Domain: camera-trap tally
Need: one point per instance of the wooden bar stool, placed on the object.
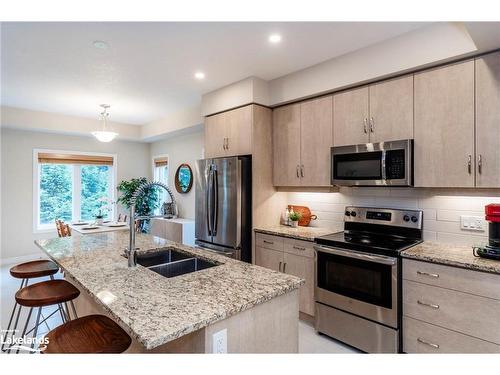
(46, 293)
(25, 272)
(89, 334)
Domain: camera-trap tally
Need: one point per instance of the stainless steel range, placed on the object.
(358, 277)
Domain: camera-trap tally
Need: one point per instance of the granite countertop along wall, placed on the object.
(155, 309)
(299, 233)
(451, 255)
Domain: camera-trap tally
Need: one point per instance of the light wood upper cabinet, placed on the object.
(302, 137)
(215, 135)
(488, 120)
(229, 133)
(315, 141)
(391, 110)
(239, 131)
(286, 145)
(350, 117)
(444, 126)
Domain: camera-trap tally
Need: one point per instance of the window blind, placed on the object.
(51, 158)
(160, 162)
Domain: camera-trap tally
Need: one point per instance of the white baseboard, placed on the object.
(21, 259)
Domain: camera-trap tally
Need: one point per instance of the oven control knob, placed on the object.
(347, 213)
(406, 218)
(353, 213)
(414, 219)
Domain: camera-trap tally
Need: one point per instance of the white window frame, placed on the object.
(153, 170)
(76, 176)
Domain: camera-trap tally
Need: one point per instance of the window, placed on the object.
(71, 187)
(160, 173)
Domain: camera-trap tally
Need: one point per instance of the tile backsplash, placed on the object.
(442, 208)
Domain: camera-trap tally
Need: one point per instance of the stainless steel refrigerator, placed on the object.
(224, 206)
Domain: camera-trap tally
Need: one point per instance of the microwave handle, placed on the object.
(384, 171)
(356, 255)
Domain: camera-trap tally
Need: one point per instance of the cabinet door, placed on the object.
(267, 258)
(286, 145)
(391, 110)
(488, 120)
(350, 117)
(315, 141)
(304, 268)
(444, 126)
(215, 133)
(239, 131)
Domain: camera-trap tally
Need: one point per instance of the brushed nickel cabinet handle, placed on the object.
(299, 248)
(425, 342)
(279, 267)
(302, 170)
(298, 175)
(268, 242)
(480, 164)
(224, 144)
(284, 267)
(435, 275)
(372, 125)
(431, 305)
(365, 126)
(469, 164)
(227, 143)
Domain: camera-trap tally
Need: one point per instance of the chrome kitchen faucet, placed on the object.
(130, 252)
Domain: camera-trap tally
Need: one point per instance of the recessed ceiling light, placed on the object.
(199, 75)
(275, 38)
(100, 44)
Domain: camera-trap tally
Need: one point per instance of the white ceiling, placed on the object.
(147, 71)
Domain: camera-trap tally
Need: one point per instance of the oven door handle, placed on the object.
(357, 255)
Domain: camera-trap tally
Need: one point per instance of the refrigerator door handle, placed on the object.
(208, 200)
(215, 186)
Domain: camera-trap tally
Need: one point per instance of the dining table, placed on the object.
(92, 228)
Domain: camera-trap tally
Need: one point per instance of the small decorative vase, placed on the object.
(294, 224)
(99, 221)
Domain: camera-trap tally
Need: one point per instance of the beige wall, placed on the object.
(133, 160)
(186, 148)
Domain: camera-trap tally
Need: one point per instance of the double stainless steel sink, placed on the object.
(172, 263)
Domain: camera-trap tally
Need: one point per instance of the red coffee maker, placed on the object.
(492, 250)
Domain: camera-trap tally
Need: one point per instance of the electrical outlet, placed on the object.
(473, 223)
(219, 343)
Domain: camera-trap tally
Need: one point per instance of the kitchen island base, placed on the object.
(269, 327)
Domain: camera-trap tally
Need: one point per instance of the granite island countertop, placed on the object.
(451, 255)
(154, 309)
(299, 233)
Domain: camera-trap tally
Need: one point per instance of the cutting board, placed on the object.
(306, 215)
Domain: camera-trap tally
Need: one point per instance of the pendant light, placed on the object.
(104, 135)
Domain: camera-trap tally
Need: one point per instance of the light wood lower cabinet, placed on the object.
(294, 257)
(421, 337)
(449, 318)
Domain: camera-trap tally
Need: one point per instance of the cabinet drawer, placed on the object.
(474, 282)
(269, 242)
(421, 337)
(461, 312)
(298, 247)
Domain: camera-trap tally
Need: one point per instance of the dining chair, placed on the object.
(63, 230)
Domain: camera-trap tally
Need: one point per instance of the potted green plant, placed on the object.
(294, 218)
(146, 203)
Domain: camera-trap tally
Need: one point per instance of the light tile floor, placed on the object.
(309, 340)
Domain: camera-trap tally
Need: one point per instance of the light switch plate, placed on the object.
(473, 223)
(219, 343)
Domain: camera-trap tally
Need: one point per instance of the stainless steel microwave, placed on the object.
(373, 164)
